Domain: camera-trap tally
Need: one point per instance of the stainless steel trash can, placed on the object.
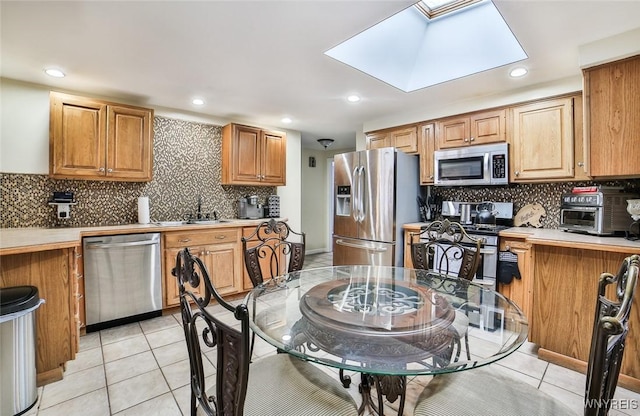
(18, 349)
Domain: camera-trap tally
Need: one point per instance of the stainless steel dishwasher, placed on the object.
(122, 279)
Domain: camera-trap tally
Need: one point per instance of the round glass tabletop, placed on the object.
(386, 320)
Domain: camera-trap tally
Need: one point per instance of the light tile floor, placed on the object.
(142, 369)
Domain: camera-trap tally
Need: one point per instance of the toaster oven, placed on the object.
(595, 210)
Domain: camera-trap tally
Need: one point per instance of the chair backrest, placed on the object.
(439, 247)
(201, 326)
(271, 250)
(610, 330)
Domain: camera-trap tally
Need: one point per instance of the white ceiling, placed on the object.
(256, 62)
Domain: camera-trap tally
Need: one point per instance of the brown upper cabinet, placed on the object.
(542, 141)
(427, 147)
(404, 139)
(470, 129)
(99, 140)
(612, 118)
(252, 156)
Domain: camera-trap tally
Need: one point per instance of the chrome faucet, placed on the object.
(199, 213)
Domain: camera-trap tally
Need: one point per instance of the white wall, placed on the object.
(24, 128)
(315, 204)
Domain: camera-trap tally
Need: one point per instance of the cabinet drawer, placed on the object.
(195, 238)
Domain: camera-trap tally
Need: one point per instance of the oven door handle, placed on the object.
(490, 251)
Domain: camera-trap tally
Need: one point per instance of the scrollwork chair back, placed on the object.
(610, 330)
(439, 246)
(201, 326)
(271, 250)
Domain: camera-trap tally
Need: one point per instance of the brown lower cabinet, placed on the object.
(55, 274)
(220, 251)
(565, 287)
(520, 291)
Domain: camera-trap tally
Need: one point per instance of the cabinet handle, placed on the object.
(79, 276)
(431, 177)
(184, 240)
(80, 325)
(207, 252)
(466, 140)
(580, 164)
(109, 170)
(101, 170)
(508, 248)
(221, 237)
(79, 296)
(258, 176)
(471, 139)
(517, 173)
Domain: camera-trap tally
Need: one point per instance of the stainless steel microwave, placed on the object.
(473, 165)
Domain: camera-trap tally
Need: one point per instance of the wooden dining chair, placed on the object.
(271, 250)
(439, 247)
(276, 385)
(486, 391)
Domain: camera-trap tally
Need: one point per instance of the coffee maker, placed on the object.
(249, 208)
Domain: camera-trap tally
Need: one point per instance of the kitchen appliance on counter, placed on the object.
(473, 165)
(249, 208)
(597, 210)
(122, 279)
(375, 194)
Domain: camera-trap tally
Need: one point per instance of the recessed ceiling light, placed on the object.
(286, 120)
(54, 72)
(353, 98)
(197, 101)
(518, 72)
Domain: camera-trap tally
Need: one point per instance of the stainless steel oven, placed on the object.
(484, 315)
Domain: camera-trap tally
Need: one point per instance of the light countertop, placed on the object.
(559, 238)
(25, 240)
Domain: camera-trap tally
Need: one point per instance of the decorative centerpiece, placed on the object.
(633, 208)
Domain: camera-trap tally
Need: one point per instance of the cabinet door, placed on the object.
(542, 141)
(77, 137)
(488, 127)
(612, 112)
(274, 155)
(427, 147)
(129, 143)
(405, 140)
(378, 140)
(453, 132)
(222, 263)
(520, 291)
(241, 148)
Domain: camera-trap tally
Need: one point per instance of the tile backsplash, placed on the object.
(546, 194)
(187, 163)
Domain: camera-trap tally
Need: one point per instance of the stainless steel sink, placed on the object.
(204, 222)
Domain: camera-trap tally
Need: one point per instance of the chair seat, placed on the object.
(481, 391)
(283, 385)
(460, 323)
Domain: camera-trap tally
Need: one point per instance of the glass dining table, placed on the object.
(385, 323)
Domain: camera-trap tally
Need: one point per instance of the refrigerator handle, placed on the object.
(378, 249)
(354, 195)
(361, 186)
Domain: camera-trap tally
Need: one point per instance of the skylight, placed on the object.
(435, 8)
(410, 51)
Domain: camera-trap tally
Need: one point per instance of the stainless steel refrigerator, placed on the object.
(375, 194)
